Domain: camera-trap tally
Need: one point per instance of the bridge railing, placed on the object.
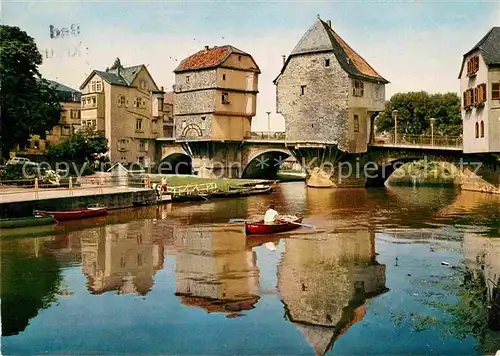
(275, 136)
(420, 140)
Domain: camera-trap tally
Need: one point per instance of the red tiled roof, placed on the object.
(207, 58)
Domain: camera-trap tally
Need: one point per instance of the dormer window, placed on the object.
(358, 88)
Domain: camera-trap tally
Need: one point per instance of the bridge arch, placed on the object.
(176, 163)
(265, 164)
(384, 169)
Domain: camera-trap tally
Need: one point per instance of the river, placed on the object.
(386, 271)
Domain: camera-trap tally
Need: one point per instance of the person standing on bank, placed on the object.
(271, 215)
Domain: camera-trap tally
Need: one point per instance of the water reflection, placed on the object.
(215, 271)
(325, 281)
(122, 258)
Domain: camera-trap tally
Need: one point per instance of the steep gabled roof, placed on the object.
(118, 75)
(209, 58)
(489, 47)
(320, 37)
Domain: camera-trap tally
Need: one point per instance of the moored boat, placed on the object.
(26, 221)
(61, 215)
(262, 228)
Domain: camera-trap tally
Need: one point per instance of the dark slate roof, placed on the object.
(489, 47)
(210, 58)
(124, 76)
(111, 78)
(320, 37)
(65, 93)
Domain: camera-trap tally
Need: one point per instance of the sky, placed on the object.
(416, 45)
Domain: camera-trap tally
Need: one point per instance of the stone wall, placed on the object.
(320, 112)
(193, 127)
(201, 101)
(193, 80)
(111, 201)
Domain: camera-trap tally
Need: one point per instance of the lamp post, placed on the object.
(268, 124)
(395, 116)
(432, 120)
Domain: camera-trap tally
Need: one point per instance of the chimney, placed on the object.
(329, 22)
(284, 59)
(162, 89)
(206, 48)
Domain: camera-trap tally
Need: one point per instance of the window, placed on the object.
(302, 90)
(93, 86)
(65, 131)
(358, 88)
(143, 84)
(481, 94)
(225, 98)
(122, 144)
(356, 123)
(94, 100)
(327, 62)
(239, 58)
(142, 146)
(477, 130)
(137, 102)
(473, 65)
(160, 104)
(139, 260)
(98, 86)
(121, 100)
(223, 77)
(482, 128)
(203, 125)
(75, 114)
(123, 158)
(495, 91)
(474, 96)
(187, 78)
(138, 124)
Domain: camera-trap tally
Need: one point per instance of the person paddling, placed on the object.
(271, 215)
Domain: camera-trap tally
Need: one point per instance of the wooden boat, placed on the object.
(62, 215)
(26, 221)
(261, 228)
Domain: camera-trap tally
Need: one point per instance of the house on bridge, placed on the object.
(215, 95)
(328, 93)
(480, 87)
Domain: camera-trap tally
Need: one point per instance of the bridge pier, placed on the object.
(215, 159)
(329, 167)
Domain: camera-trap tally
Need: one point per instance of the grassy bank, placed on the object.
(422, 173)
(223, 184)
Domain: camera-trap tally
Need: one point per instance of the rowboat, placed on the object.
(262, 228)
(26, 221)
(75, 213)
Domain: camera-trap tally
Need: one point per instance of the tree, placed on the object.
(416, 108)
(85, 146)
(28, 104)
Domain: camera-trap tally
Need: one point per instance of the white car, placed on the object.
(19, 160)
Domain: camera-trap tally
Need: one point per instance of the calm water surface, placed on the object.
(388, 271)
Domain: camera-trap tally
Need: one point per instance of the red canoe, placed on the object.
(261, 228)
(74, 214)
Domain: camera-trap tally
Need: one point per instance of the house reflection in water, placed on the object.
(215, 271)
(324, 283)
(121, 258)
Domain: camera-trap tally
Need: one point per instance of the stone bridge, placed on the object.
(261, 157)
